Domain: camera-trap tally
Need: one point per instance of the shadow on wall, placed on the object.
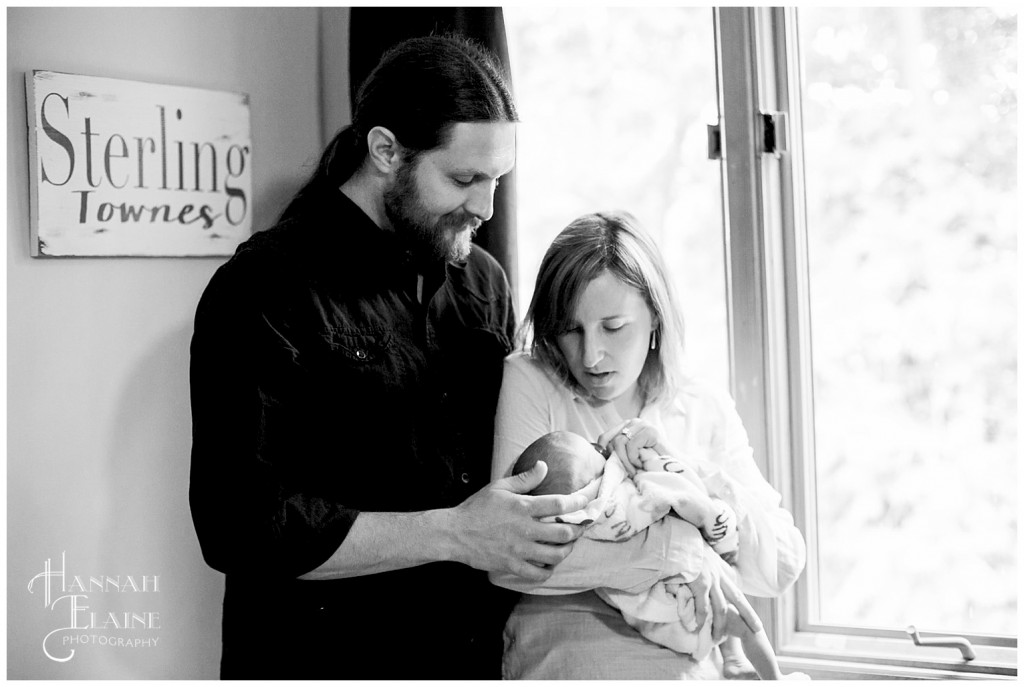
(148, 527)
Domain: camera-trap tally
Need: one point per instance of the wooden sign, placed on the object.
(124, 168)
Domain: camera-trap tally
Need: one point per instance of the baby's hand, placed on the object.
(628, 439)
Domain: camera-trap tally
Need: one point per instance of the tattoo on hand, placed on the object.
(719, 529)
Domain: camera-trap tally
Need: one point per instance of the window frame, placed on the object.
(758, 69)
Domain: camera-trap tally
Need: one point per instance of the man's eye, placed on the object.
(463, 182)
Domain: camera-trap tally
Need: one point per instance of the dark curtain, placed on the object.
(372, 30)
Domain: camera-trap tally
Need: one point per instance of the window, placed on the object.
(915, 386)
(856, 286)
(614, 104)
(884, 296)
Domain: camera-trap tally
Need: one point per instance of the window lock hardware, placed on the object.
(956, 642)
(774, 133)
(715, 141)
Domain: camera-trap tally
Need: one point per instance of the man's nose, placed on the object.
(481, 201)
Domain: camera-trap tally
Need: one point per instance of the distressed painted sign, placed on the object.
(125, 168)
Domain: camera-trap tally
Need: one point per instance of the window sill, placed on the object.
(835, 669)
(837, 656)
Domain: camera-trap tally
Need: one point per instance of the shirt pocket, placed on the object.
(332, 370)
(318, 389)
(366, 356)
(368, 370)
(363, 349)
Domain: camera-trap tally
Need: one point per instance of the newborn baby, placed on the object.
(573, 462)
(665, 614)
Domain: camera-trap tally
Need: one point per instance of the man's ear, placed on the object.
(383, 150)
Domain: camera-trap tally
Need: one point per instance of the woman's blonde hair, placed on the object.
(612, 241)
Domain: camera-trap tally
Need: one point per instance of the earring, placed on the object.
(654, 339)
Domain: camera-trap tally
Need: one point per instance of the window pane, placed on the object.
(614, 104)
(911, 149)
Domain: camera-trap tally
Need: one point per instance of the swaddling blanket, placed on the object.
(628, 500)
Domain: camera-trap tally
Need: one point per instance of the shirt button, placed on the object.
(465, 478)
(361, 354)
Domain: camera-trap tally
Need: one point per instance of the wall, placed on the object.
(335, 103)
(98, 414)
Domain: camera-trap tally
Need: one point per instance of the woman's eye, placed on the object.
(463, 182)
(613, 327)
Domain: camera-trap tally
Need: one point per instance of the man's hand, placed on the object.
(498, 529)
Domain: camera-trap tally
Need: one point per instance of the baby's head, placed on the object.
(573, 462)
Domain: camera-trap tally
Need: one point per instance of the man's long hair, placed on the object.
(419, 90)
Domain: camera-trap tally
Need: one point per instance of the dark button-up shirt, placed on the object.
(322, 387)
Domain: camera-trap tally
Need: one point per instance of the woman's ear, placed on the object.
(383, 150)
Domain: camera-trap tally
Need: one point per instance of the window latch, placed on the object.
(715, 141)
(774, 135)
(956, 642)
(774, 132)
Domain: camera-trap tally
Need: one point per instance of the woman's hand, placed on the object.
(714, 589)
(628, 438)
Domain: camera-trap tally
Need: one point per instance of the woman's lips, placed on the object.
(599, 378)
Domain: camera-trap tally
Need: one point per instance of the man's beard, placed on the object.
(444, 238)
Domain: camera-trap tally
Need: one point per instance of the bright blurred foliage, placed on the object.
(614, 104)
(910, 134)
(910, 127)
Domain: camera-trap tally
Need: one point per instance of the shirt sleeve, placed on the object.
(523, 414)
(771, 552)
(246, 515)
(669, 547)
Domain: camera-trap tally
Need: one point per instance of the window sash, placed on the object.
(767, 294)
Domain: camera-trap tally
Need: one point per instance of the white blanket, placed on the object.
(625, 501)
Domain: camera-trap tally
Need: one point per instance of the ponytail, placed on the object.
(338, 162)
(342, 156)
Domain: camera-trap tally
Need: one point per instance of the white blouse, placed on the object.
(701, 424)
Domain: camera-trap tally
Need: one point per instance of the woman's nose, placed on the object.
(593, 350)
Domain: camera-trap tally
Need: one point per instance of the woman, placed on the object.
(606, 361)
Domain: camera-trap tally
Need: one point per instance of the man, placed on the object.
(345, 370)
